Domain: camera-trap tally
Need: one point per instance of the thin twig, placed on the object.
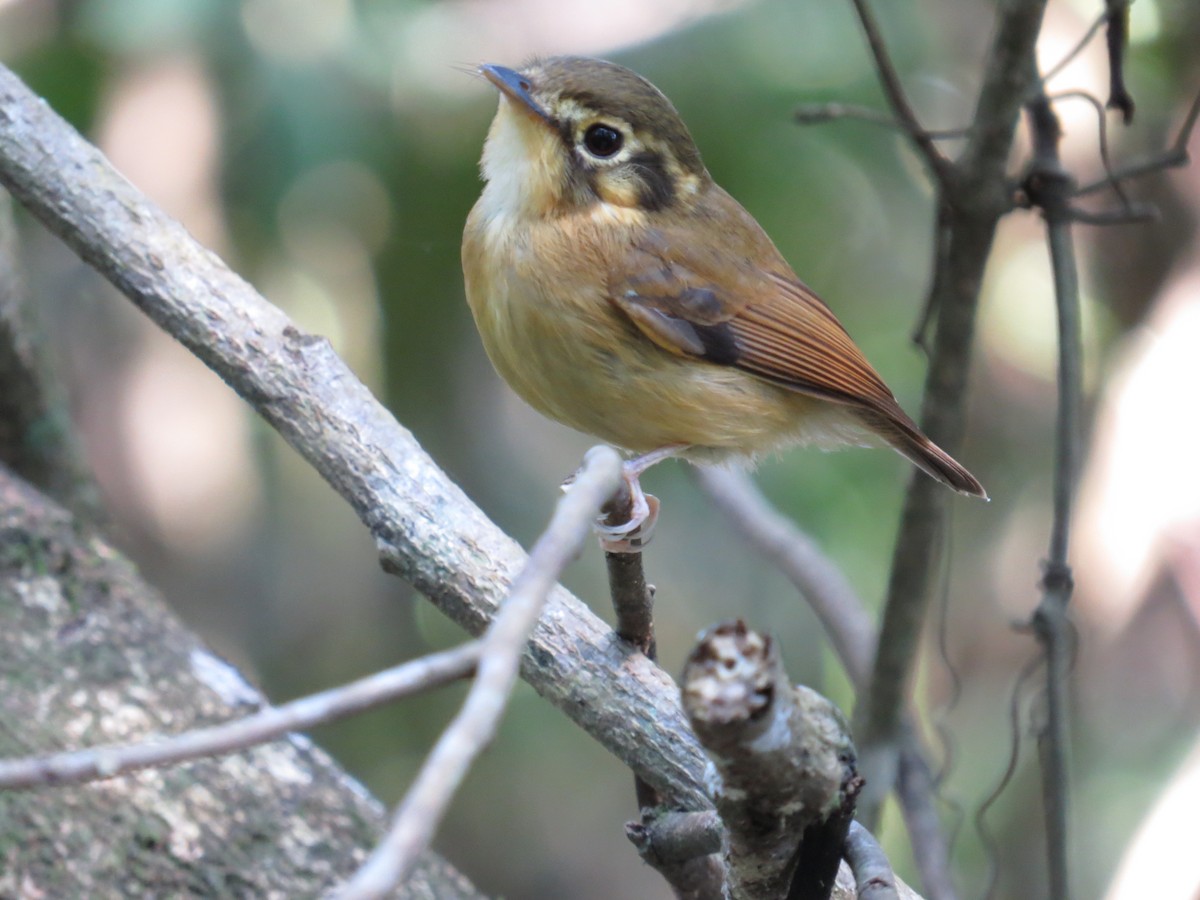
(917, 791)
(423, 806)
(633, 606)
(1076, 50)
(872, 872)
(889, 78)
(1173, 157)
(375, 690)
(1051, 188)
(1116, 40)
(822, 113)
(820, 582)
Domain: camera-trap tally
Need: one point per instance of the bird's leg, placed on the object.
(629, 518)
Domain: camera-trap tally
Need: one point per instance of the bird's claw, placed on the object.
(633, 535)
(638, 509)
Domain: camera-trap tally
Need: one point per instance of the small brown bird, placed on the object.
(619, 290)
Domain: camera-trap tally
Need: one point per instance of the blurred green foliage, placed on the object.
(332, 134)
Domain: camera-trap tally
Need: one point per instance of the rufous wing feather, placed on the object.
(729, 308)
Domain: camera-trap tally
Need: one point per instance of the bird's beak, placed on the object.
(515, 86)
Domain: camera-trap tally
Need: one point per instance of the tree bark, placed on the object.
(89, 655)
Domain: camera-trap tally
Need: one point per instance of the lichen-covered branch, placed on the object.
(783, 754)
(89, 653)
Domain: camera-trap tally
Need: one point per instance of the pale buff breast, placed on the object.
(554, 336)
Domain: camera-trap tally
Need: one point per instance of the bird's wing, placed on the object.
(724, 306)
(738, 304)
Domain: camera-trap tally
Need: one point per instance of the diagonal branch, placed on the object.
(78, 766)
(425, 528)
(473, 728)
(1176, 156)
(889, 78)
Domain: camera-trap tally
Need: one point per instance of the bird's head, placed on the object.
(573, 132)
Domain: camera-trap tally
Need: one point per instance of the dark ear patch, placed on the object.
(656, 189)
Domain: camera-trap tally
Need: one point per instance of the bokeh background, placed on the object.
(328, 151)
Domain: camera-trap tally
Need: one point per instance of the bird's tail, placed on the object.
(903, 435)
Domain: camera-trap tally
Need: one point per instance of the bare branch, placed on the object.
(673, 837)
(972, 200)
(632, 600)
(821, 113)
(229, 737)
(685, 848)
(889, 78)
(425, 528)
(782, 753)
(872, 871)
(918, 793)
(421, 811)
(1050, 188)
(633, 605)
(851, 632)
(1176, 156)
(1117, 43)
(820, 582)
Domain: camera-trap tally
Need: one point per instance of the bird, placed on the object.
(619, 290)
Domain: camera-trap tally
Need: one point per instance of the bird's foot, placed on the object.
(627, 520)
(632, 535)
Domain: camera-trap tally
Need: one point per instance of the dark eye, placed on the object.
(602, 140)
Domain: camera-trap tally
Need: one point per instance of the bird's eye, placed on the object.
(602, 141)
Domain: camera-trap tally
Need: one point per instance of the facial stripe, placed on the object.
(656, 187)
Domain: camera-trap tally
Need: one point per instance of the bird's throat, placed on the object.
(524, 167)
